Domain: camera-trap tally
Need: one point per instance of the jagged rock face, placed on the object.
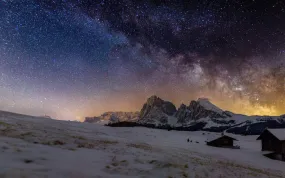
(201, 108)
(155, 102)
(199, 115)
(156, 110)
(114, 117)
(183, 114)
(198, 111)
(154, 115)
(91, 119)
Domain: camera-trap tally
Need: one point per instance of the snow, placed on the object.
(239, 120)
(209, 123)
(172, 120)
(279, 133)
(38, 147)
(267, 152)
(208, 105)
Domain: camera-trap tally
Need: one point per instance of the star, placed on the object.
(72, 59)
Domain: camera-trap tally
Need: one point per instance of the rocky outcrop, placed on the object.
(92, 119)
(113, 117)
(202, 108)
(157, 111)
(183, 114)
(198, 115)
(203, 115)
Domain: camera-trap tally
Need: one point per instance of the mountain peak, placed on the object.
(203, 108)
(154, 101)
(156, 110)
(205, 102)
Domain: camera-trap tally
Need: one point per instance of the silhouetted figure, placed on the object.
(188, 140)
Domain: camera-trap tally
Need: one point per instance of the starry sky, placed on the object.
(74, 58)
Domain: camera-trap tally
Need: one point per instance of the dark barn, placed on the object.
(273, 140)
(222, 141)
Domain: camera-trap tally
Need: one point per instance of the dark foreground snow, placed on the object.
(33, 147)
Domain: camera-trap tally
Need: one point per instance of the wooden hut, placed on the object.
(273, 141)
(221, 141)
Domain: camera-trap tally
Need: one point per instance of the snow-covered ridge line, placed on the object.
(8, 114)
(205, 102)
(198, 115)
(112, 117)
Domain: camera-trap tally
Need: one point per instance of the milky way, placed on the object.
(75, 58)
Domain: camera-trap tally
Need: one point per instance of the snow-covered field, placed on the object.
(38, 147)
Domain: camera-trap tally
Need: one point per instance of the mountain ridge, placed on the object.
(200, 114)
(113, 117)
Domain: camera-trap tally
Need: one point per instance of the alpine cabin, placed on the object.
(222, 141)
(273, 141)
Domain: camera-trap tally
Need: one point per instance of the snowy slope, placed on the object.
(33, 147)
(204, 102)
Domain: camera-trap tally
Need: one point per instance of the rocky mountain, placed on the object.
(202, 115)
(157, 111)
(202, 108)
(113, 117)
(92, 119)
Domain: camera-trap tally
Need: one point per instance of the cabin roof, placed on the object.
(278, 133)
(215, 137)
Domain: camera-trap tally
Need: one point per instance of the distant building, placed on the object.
(221, 141)
(273, 142)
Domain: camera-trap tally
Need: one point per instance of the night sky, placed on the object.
(74, 58)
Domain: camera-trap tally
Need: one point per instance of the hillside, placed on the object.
(33, 147)
(11, 115)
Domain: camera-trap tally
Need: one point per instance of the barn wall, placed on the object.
(226, 141)
(222, 142)
(283, 147)
(270, 143)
